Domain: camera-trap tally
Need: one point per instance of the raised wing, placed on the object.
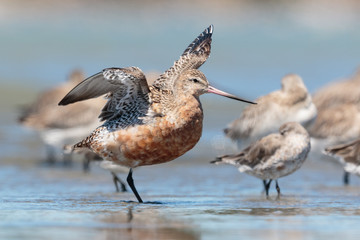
(127, 93)
(192, 58)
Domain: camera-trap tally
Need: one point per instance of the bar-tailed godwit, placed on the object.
(273, 156)
(149, 125)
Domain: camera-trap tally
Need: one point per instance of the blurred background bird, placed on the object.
(58, 126)
(348, 155)
(338, 120)
(291, 103)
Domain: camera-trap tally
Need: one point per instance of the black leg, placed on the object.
(118, 180)
(130, 181)
(277, 188)
(267, 186)
(264, 182)
(123, 186)
(346, 178)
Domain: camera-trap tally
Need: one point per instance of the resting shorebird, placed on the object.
(59, 126)
(292, 103)
(149, 125)
(274, 156)
(348, 154)
(338, 117)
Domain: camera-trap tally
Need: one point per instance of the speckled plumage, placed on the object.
(273, 156)
(149, 125)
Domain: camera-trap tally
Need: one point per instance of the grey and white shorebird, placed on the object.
(292, 103)
(273, 156)
(348, 155)
(58, 126)
(338, 120)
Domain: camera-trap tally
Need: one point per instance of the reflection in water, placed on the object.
(143, 224)
(266, 211)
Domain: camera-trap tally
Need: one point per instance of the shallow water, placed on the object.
(183, 200)
(253, 47)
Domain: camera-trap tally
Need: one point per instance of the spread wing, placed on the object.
(127, 93)
(192, 58)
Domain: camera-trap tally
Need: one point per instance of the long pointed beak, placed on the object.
(228, 95)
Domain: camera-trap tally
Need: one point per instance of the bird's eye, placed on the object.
(194, 80)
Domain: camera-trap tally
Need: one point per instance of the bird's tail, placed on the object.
(228, 159)
(68, 149)
(80, 147)
(340, 149)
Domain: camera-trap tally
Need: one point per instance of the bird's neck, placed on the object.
(168, 103)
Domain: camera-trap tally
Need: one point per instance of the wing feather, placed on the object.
(258, 152)
(126, 89)
(192, 58)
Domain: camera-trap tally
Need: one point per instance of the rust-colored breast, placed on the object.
(161, 141)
